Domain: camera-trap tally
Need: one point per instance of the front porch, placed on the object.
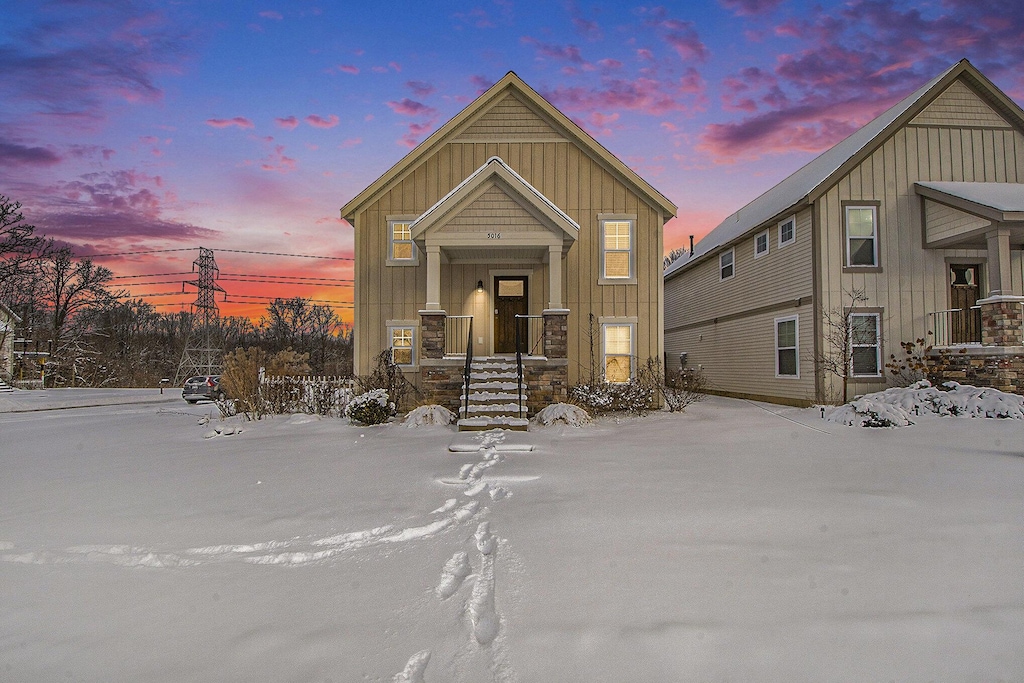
(447, 366)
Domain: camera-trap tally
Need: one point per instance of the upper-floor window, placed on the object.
(761, 244)
(617, 250)
(787, 231)
(861, 236)
(402, 248)
(727, 265)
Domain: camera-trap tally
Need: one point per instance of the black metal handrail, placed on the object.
(519, 361)
(466, 370)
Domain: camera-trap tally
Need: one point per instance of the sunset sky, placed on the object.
(136, 126)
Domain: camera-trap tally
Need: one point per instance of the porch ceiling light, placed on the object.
(480, 286)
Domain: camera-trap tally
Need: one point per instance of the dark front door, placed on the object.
(509, 301)
(963, 296)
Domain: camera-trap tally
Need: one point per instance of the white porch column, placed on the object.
(999, 280)
(555, 276)
(433, 278)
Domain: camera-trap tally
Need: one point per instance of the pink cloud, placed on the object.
(278, 162)
(270, 14)
(320, 122)
(558, 53)
(644, 95)
(288, 123)
(414, 133)
(407, 107)
(379, 69)
(396, 66)
(586, 27)
(239, 121)
(481, 83)
(350, 142)
(420, 88)
(348, 68)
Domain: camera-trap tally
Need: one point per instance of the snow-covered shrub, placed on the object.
(429, 415)
(566, 413)
(896, 407)
(373, 407)
(635, 396)
(595, 397)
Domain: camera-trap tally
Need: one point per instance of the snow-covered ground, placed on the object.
(737, 541)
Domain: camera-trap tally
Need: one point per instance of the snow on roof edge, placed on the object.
(791, 190)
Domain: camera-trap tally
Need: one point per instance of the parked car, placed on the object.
(202, 387)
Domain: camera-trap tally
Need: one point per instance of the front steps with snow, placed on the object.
(5, 388)
(494, 397)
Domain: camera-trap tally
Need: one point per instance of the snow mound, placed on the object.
(897, 406)
(574, 416)
(429, 415)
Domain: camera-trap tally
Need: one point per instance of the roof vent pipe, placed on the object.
(691, 245)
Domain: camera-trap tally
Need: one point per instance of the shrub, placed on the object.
(241, 381)
(387, 376)
(373, 407)
(683, 387)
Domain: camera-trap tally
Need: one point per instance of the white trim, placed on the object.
(618, 322)
(786, 243)
(796, 347)
(877, 345)
(874, 235)
(603, 278)
(766, 233)
(722, 266)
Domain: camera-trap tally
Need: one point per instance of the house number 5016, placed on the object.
(494, 235)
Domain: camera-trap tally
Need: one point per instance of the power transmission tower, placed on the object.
(200, 357)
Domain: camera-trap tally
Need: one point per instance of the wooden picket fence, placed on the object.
(316, 395)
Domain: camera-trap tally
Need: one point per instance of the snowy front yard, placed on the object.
(737, 542)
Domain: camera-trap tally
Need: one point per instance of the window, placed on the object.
(402, 349)
(760, 244)
(787, 356)
(866, 352)
(618, 352)
(617, 250)
(726, 265)
(787, 231)
(861, 236)
(402, 248)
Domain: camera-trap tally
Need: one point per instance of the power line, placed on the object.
(286, 277)
(274, 253)
(125, 277)
(132, 253)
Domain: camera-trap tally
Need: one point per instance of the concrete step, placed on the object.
(479, 424)
(495, 408)
(495, 396)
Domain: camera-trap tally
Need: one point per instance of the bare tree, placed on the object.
(673, 256)
(19, 246)
(836, 355)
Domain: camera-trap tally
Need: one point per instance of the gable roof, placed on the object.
(816, 177)
(999, 202)
(497, 92)
(493, 168)
(11, 315)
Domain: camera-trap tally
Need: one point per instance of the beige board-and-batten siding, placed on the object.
(731, 335)
(912, 280)
(577, 183)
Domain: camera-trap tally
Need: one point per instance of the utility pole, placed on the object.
(199, 356)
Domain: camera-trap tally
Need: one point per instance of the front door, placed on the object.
(509, 301)
(963, 296)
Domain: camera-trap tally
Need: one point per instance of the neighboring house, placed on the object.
(8, 320)
(921, 212)
(509, 209)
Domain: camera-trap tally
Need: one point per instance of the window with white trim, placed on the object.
(617, 249)
(402, 342)
(726, 264)
(617, 340)
(865, 349)
(402, 248)
(760, 244)
(787, 346)
(787, 231)
(861, 236)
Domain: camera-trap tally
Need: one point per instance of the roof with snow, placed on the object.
(1004, 198)
(813, 179)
